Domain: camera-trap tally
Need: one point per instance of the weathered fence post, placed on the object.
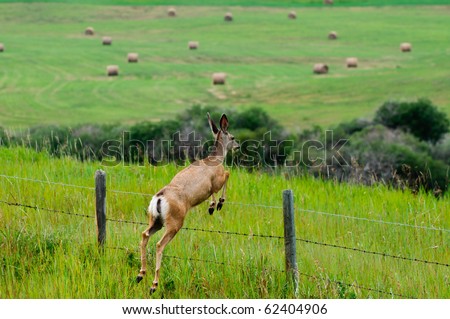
(100, 205)
(290, 240)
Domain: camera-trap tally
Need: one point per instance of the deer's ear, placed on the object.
(224, 123)
(213, 126)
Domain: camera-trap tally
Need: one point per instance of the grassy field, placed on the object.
(45, 254)
(50, 73)
(277, 3)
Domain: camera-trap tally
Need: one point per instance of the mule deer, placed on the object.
(190, 187)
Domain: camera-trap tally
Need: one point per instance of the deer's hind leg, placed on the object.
(173, 225)
(154, 225)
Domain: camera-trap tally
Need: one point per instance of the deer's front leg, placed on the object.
(212, 204)
(224, 190)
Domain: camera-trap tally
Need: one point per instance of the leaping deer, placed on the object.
(190, 187)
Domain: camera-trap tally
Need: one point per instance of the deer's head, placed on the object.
(223, 138)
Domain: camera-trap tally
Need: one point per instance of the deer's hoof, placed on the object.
(211, 210)
(153, 289)
(220, 204)
(139, 278)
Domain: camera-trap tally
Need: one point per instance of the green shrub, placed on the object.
(421, 118)
(398, 158)
(346, 129)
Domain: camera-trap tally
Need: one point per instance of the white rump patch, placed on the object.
(163, 207)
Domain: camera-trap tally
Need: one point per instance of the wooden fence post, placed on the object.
(100, 205)
(290, 240)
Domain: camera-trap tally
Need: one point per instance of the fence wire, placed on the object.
(320, 244)
(379, 221)
(373, 252)
(45, 209)
(431, 228)
(46, 182)
(238, 234)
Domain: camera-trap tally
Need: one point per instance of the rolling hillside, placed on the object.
(51, 73)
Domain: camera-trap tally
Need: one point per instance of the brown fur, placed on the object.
(190, 187)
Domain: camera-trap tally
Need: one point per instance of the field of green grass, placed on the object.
(51, 254)
(278, 3)
(51, 73)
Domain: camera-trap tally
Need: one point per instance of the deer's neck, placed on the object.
(219, 152)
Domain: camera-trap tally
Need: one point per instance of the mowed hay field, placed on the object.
(51, 251)
(51, 73)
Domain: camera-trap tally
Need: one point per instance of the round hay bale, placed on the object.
(2, 47)
(292, 15)
(219, 78)
(133, 57)
(320, 68)
(112, 70)
(172, 12)
(328, 2)
(332, 35)
(405, 47)
(352, 62)
(228, 17)
(193, 45)
(89, 31)
(107, 40)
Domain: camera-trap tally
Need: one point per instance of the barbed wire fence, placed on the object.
(291, 270)
(235, 203)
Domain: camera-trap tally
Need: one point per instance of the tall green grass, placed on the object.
(46, 254)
